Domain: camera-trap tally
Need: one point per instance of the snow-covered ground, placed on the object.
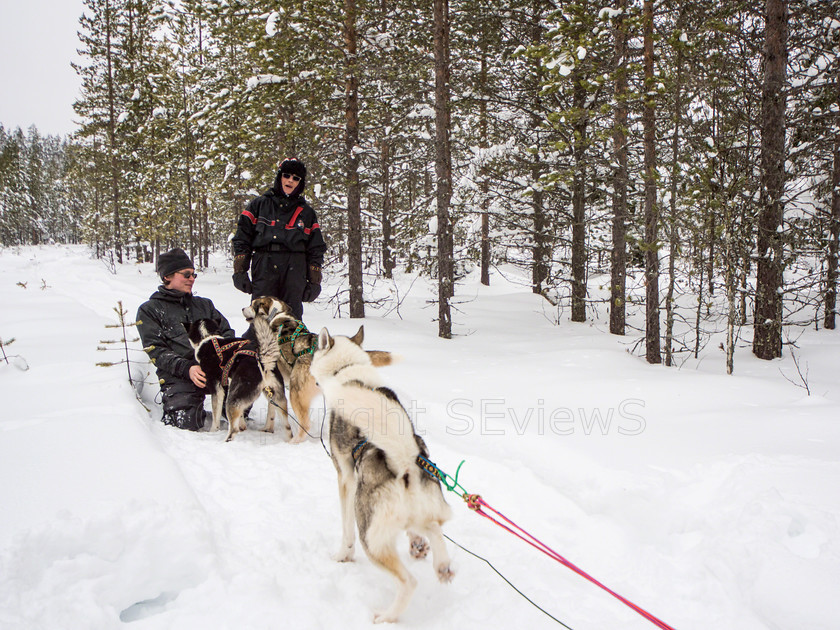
(710, 500)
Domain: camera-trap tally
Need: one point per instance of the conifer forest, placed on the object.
(665, 158)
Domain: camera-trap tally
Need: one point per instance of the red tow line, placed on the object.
(476, 503)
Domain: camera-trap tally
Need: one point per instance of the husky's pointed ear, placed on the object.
(359, 337)
(325, 342)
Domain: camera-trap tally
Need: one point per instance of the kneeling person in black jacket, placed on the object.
(278, 238)
(161, 323)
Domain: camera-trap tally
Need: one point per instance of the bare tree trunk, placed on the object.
(443, 168)
(618, 256)
(542, 239)
(710, 261)
(834, 231)
(351, 141)
(539, 270)
(652, 345)
(673, 237)
(206, 222)
(746, 213)
(698, 315)
(112, 137)
(579, 204)
(767, 338)
(388, 263)
(484, 186)
(730, 280)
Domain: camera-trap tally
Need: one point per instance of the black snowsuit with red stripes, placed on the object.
(281, 237)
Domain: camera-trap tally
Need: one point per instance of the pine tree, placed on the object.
(101, 99)
(767, 340)
(13, 196)
(443, 168)
(618, 252)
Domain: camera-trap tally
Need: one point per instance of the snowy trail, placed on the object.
(291, 521)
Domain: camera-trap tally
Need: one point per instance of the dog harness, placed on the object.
(425, 464)
(237, 350)
(300, 330)
(356, 450)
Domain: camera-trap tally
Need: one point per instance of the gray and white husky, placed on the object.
(380, 483)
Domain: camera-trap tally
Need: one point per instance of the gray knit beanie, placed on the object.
(172, 261)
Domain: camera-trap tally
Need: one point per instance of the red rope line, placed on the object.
(476, 503)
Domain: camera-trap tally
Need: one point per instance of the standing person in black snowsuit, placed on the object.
(279, 238)
(164, 336)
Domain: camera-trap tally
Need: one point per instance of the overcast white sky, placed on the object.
(37, 43)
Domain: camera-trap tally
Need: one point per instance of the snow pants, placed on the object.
(183, 404)
(280, 274)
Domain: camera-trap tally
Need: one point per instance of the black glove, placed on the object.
(242, 282)
(313, 283)
(311, 292)
(313, 274)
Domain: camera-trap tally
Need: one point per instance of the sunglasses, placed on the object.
(187, 274)
(294, 178)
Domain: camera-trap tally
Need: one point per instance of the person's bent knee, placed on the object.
(190, 419)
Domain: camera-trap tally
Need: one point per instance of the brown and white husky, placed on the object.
(280, 335)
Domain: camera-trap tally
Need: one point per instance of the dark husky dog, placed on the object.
(234, 364)
(375, 452)
(282, 336)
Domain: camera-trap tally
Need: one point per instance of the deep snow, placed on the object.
(710, 500)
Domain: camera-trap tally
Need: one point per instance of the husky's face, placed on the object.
(200, 330)
(272, 310)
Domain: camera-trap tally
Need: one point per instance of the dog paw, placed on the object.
(419, 547)
(344, 555)
(300, 437)
(384, 618)
(445, 574)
